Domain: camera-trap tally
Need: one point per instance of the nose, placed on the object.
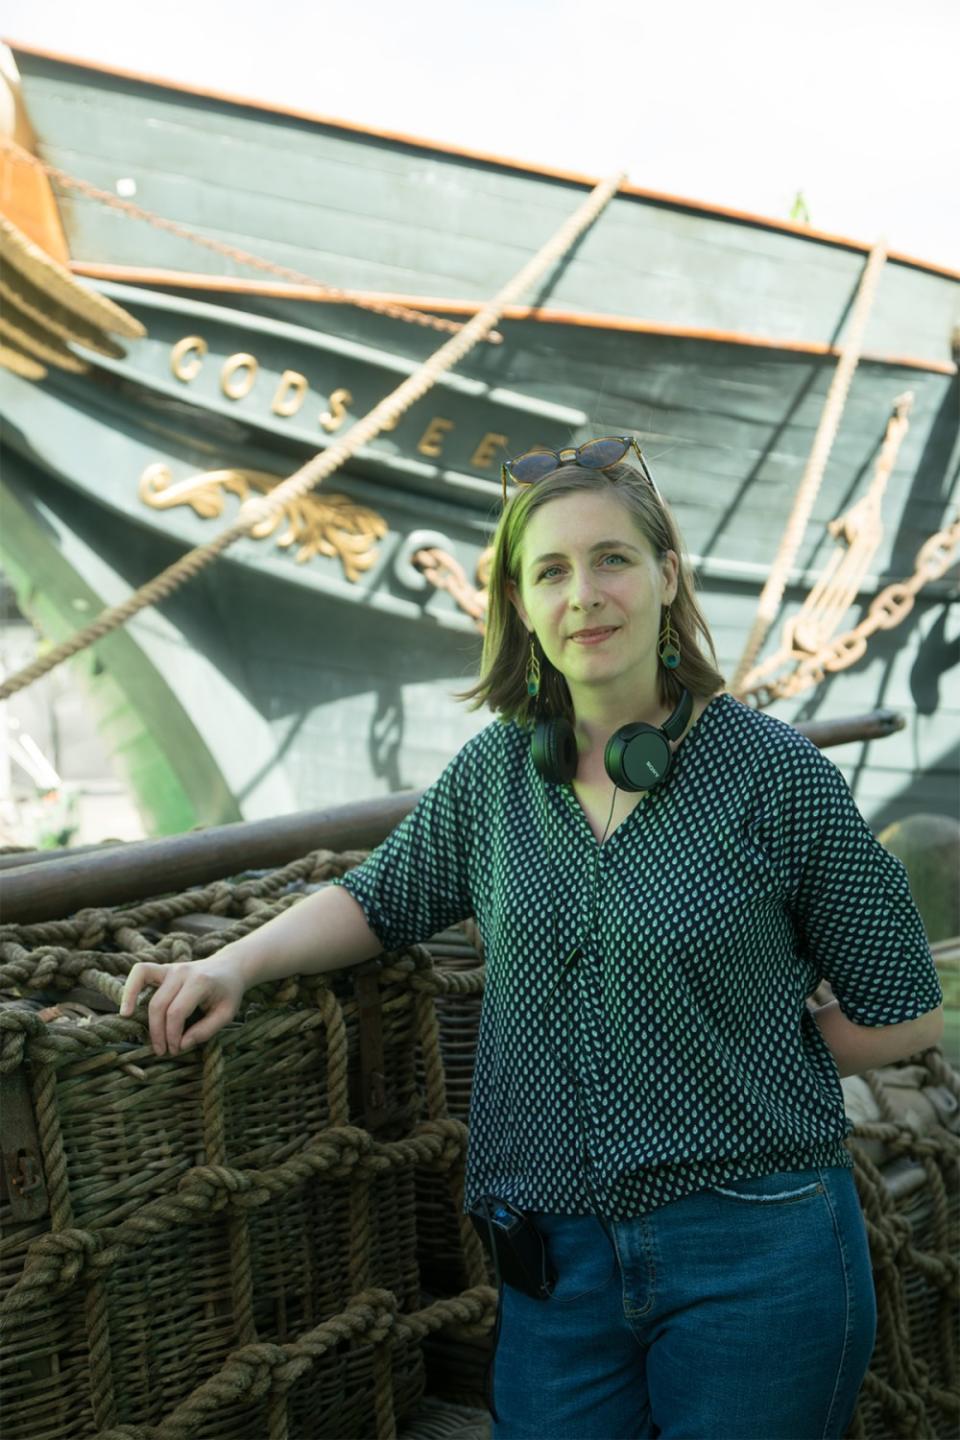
(584, 587)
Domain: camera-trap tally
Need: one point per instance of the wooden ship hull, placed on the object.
(315, 663)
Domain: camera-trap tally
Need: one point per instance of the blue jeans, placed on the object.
(743, 1312)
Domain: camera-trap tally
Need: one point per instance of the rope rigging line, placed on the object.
(808, 637)
(772, 594)
(383, 416)
(390, 308)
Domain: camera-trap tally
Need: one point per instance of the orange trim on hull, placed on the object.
(548, 172)
(27, 200)
(229, 285)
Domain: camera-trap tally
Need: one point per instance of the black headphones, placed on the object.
(636, 756)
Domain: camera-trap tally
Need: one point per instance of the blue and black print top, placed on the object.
(722, 900)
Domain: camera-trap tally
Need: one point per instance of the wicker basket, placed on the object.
(222, 1243)
(266, 1238)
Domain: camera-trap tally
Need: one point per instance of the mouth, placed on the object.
(592, 637)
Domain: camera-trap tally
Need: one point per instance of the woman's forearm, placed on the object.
(856, 1048)
(326, 931)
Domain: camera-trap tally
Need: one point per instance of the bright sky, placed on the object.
(742, 104)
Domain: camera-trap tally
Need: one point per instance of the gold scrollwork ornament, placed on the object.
(330, 525)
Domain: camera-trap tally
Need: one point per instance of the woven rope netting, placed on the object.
(272, 1238)
(265, 1237)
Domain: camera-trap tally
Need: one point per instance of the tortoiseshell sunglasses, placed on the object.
(533, 465)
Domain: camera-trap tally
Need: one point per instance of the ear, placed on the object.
(671, 577)
(513, 594)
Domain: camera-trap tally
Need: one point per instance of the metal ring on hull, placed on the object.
(403, 567)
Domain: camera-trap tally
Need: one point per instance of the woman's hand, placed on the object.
(324, 931)
(214, 986)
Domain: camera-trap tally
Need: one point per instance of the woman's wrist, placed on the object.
(243, 957)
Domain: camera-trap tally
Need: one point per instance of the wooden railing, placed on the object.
(40, 885)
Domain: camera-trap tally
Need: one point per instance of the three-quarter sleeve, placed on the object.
(856, 921)
(416, 882)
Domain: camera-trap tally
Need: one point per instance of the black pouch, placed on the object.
(515, 1245)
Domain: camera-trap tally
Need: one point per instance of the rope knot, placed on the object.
(91, 928)
(16, 1027)
(46, 967)
(354, 1145)
(57, 1260)
(219, 1184)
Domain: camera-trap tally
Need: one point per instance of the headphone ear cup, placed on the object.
(554, 750)
(638, 757)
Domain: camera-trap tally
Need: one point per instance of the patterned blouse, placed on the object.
(676, 1050)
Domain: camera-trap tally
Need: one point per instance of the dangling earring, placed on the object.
(668, 647)
(533, 672)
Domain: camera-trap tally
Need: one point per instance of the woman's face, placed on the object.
(599, 570)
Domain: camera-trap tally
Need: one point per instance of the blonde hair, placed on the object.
(506, 645)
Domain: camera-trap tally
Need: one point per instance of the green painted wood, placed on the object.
(311, 690)
(728, 436)
(357, 697)
(372, 214)
(175, 779)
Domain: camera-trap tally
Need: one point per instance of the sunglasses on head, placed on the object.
(534, 465)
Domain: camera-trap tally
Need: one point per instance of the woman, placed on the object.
(662, 876)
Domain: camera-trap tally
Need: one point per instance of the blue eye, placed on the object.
(549, 570)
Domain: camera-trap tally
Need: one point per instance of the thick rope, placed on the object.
(772, 593)
(214, 1107)
(59, 1259)
(444, 572)
(805, 637)
(372, 1317)
(383, 416)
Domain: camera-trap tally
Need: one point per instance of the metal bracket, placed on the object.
(22, 1182)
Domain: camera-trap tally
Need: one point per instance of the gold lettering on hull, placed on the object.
(331, 525)
(488, 450)
(431, 441)
(183, 368)
(238, 377)
(291, 393)
(333, 418)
